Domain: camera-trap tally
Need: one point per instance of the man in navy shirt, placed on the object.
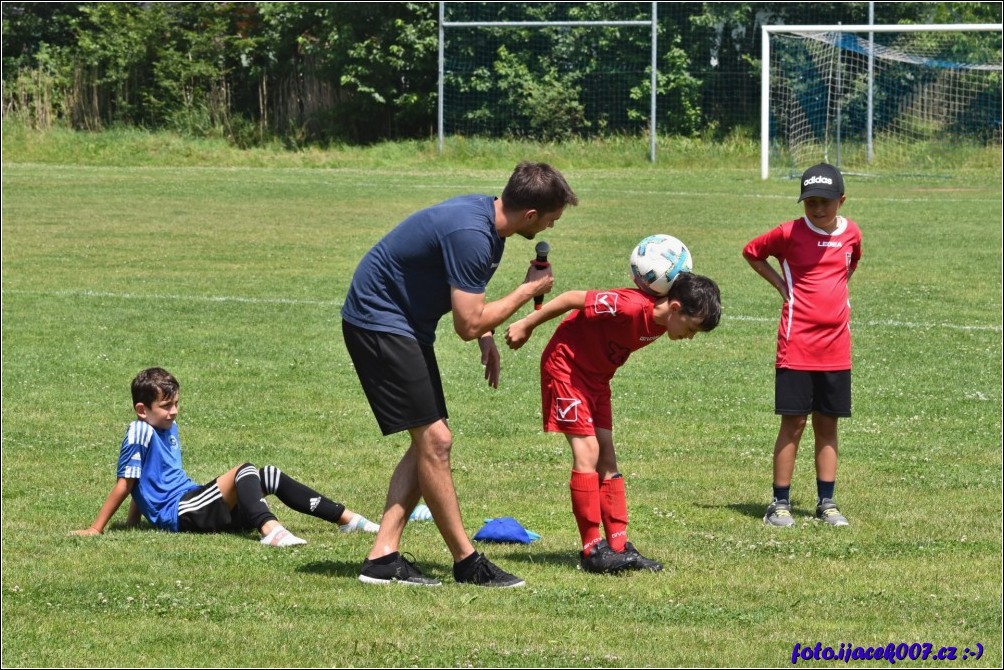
(437, 261)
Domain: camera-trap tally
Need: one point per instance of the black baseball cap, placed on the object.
(823, 181)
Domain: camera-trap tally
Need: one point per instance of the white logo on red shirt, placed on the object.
(606, 303)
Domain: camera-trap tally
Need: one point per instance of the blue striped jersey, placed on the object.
(153, 458)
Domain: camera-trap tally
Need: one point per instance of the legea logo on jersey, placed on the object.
(566, 409)
(818, 179)
(606, 303)
(827, 243)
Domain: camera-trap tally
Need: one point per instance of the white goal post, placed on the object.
(855, 92)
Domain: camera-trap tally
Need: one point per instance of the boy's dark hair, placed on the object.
(537, 186)
(152, 384)
(699, 296)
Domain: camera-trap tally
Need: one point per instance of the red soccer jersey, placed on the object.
(599, 338)
(814, 332)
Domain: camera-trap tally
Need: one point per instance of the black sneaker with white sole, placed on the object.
(399, 570)
(478, 570)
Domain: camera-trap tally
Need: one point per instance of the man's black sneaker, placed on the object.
(640, 562)
(401, 570)
(482, 572)
(604, 560)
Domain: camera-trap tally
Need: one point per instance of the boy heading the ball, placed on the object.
(150, 469)
(818, 253)
(576, 367)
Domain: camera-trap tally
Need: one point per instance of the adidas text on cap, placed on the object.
(823, 181)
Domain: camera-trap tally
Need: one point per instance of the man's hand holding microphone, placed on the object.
(540, 271)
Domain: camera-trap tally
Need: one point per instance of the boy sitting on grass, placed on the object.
(150, 469)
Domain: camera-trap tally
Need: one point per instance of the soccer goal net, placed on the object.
(880, 99)
(547, 79)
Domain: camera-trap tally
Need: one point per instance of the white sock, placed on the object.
(280, 537)
(359, 522)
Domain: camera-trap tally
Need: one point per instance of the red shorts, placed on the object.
(576, 407)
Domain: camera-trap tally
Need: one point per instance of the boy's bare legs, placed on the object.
(825, 429)
(585, 452)
(228, 486)
(785, 450)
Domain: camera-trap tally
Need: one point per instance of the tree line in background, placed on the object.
(367, 72)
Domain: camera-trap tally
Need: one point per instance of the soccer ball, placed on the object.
(656, 262)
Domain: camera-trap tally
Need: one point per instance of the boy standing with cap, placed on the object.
(818, 253)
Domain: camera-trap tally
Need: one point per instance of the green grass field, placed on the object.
(232, 278)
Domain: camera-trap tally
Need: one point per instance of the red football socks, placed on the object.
(613, 510)
(585, 488)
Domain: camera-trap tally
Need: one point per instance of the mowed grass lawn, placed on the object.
(232, 278)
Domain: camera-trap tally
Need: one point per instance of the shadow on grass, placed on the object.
(566, 558)
(351, 569)
(754, 510)
(445, 572)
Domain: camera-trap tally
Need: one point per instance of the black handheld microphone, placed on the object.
(540, 263)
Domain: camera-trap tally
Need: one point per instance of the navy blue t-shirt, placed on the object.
(402, 284)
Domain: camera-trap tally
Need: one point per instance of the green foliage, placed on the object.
(381, 59)
(545, 104)
(679, 94)
(323, 73)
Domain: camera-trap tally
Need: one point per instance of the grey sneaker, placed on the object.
(640, 562)
(779, 514)
(604, 560)
(827, 512)
(483, 572)
(401, 570)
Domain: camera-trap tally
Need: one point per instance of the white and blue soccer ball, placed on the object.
(657, 261)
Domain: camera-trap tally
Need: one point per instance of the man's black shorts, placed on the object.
(400, 377)
(802, 392)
